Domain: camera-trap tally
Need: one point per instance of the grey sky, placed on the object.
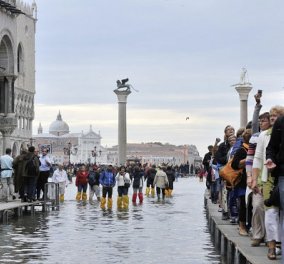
(182, 56)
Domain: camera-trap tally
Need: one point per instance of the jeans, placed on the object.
(121, 190)
(82, 187)
(8, 187)
(28, 187)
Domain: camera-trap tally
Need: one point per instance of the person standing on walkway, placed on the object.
(82, 183)
(137, 184)
(18, 178)
(27, 168)
(206, 163)
(275, 163)
(107, 180)
(161, 182)
(60, 176)
(7, 179)
(221, 157)
(44, 170)
(239, 161)
(94, 184)
(263, 182)
(257, 220)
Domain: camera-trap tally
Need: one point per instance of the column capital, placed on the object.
(8, 124)
(243, 91)
(122, 95)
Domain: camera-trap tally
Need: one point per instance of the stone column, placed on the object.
(122, 131)
(7, 126)
(243, 91)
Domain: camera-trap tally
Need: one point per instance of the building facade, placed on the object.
(17, 73)
(65, 147)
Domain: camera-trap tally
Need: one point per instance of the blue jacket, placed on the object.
(107, 179)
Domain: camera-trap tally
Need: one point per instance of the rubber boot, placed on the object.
(125, 200)
(119, 202)
(153, 192)
(84, 196)
(109, 203)
(170, 192)
(78, 196)
(103, 203)
(61, 198)
(158, 196)
(147, 191)
(140, 195)
(91, 201)
(167, 192)
(91, 195)
(134, 197)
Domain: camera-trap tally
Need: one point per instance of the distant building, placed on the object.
(65, 147)
(17, 73)
(157, 153)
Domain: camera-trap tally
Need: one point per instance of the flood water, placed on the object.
(171, 232)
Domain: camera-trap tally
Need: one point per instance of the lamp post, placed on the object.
(67, 151)
(31, 141)
(94, 154)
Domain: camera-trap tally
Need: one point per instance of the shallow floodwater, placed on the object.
(171, 232)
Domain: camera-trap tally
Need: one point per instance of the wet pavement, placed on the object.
(172, 232)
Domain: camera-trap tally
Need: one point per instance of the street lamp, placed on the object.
(67, 151)
(94, 154)
(31, 141)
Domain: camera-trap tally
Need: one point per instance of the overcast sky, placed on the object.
(182, 56)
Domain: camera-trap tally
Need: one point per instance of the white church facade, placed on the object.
(65, 147)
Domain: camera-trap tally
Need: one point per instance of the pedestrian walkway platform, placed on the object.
(233, 248)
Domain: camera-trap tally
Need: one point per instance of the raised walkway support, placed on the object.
(233, 248)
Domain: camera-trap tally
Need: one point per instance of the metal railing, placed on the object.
(51, 196)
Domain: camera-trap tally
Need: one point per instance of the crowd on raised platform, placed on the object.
(245, 176)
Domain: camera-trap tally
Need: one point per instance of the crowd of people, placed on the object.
(254, 200)
(26, 176)
(160, 179)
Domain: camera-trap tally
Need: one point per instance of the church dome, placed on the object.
(58, 127)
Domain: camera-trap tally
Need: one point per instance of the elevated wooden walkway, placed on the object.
(234, 249)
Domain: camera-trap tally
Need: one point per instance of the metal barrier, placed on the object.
(51, 196)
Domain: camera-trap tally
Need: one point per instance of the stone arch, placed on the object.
(20, 59)
(6, 55)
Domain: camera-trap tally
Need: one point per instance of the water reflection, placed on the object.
(174, 231)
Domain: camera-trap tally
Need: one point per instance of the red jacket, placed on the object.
(82, 177)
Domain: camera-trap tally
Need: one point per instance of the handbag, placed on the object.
(231, 176)
(274, 198)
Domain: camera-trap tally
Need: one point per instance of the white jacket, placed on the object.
(60, 176)
(260, 153)
(121, 179)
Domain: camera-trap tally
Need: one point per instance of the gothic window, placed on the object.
(20, 59)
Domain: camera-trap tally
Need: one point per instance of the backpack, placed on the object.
(31, 167)
(91, 178)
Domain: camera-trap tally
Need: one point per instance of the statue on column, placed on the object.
(243, 78)
(123, 84)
